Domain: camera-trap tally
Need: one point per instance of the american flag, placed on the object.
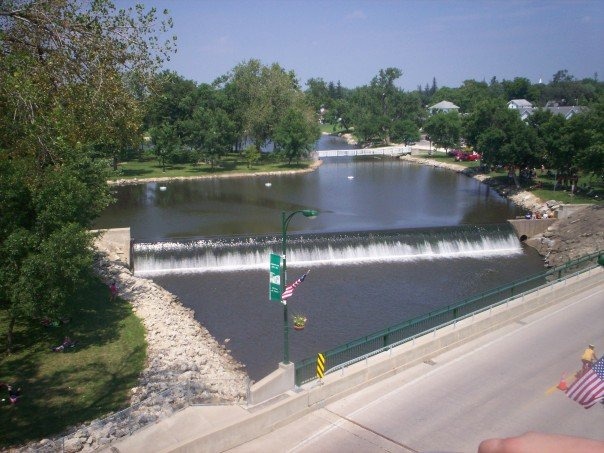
(290, 289)
(589, 389)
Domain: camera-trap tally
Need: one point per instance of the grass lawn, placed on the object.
(60, 390)
(546, 191)
(153, 169)
(331, 129)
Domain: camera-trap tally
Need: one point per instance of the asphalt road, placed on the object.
(503, 384)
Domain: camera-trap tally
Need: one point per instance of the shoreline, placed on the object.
(134, 181)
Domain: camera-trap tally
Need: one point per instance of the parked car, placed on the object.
(468, 156)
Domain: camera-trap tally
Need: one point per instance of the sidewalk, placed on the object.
(219, 428)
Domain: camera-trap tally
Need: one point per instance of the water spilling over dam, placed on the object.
(236, 253)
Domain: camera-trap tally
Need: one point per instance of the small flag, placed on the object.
(290, 289)
(589, 389)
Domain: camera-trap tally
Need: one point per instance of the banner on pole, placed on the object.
(274, 281)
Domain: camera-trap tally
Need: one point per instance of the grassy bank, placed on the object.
(60, 390)
(590, 191)
(153, 169)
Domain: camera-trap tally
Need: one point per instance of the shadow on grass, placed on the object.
(60, 390)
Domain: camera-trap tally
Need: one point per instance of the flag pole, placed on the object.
(284, 224)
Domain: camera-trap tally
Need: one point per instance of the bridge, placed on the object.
(384, 151)
(534, 336)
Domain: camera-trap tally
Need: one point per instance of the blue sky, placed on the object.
(351, 41)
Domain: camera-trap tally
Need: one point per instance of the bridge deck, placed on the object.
(384, 151)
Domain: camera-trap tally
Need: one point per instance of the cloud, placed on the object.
(357, 14)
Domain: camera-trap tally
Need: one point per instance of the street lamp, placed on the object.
(284, 224)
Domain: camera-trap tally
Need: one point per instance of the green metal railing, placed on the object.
(377, 342)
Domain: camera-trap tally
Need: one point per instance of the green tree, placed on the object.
(444, 129)
(252, 155)
(585, 137)
(65, 79)
(405, 131)
(296, 134)
(318, 94)
(166, 143)
(261, 96)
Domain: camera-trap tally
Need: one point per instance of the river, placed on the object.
(350, 292)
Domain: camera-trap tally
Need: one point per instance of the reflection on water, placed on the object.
(342, 302)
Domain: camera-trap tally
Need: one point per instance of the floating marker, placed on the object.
(351, 177)
(268, 184)
(162, 188)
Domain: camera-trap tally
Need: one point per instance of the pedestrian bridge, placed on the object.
(385, 151)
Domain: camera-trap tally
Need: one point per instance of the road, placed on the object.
(503, 384)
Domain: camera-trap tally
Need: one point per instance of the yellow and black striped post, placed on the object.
(320, 365)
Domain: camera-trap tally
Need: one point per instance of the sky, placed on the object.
(351, 40)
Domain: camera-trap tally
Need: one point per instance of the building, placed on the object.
(443, 107)
(526, 109)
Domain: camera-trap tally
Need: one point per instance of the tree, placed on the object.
(65, 79)
(444, 129)
(318, 94)
(262, 95)
(252, 155)
(502, 138)
(166, 143)
(296, 134)
(405, 131)
(585, 137)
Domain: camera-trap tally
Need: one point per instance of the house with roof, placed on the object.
(567, 111)
(443, 107)
(526, 109)
(519, 104)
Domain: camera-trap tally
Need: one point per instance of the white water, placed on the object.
(167, 258)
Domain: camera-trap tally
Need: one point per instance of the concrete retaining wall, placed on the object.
(530, 227)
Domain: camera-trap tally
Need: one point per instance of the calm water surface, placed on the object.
(341, 302)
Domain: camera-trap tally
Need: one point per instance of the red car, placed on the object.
(468, 156)
(454, 152)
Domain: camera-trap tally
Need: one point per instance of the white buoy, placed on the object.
(351, 177)
(163, 188)
(267, 184)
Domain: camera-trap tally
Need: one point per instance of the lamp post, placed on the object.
(285, 219)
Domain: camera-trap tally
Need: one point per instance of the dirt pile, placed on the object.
(577, 235)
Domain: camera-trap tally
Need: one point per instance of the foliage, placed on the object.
(299, 320)
(295, 135)
(252, 155)
(381, 112)
(444, 129)
(70, 82)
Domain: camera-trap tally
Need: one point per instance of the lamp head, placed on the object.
(310, 213)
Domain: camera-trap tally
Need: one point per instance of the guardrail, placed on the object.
(384, 151)
(377, 342)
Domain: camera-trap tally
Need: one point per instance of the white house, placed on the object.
(519, 104)
(443, 107)
(526, 109)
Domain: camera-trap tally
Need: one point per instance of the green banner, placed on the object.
(274, 282)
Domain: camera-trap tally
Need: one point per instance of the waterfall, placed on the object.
(221, 254)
